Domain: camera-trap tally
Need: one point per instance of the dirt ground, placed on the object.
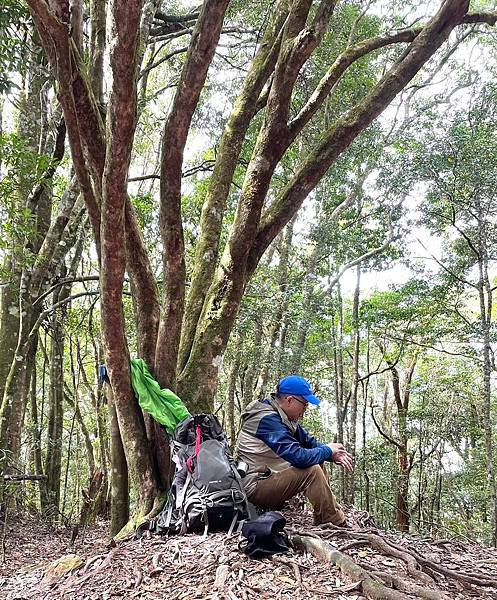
(192, 567)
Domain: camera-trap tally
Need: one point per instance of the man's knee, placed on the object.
(315, 474)
(317, 471)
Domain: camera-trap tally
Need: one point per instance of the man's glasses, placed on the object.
(303, 402)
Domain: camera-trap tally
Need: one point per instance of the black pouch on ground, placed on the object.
(265, 535)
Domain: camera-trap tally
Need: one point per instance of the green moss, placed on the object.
(138, 519)
(62, 566)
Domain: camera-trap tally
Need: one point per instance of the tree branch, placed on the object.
(346, 128)
(230, 146)
(338, 68)
(383, 434)
(361, 259)
(63, 282)
(200, 54)
(446, 269)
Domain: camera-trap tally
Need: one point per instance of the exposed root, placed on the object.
(371, 586)
(411, 588)
(413, 568)
(291, 564)
(427, 564)
(422, 569)
(352, 544)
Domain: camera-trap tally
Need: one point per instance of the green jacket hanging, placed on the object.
(164, 406)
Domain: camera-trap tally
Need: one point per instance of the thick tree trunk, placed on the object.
(98, 19)
(200, 53)
(230, 147)
(121, 123)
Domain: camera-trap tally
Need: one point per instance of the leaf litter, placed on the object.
(191, 567)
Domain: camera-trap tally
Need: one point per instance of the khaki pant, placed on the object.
(271, 492)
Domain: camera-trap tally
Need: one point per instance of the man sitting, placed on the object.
(283, 459)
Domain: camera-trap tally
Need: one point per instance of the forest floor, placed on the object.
(326, 563)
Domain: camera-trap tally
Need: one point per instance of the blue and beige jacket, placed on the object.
(270, 441)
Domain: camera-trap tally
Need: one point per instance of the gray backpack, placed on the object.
(207, 491)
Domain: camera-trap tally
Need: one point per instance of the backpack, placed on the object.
(207, 491)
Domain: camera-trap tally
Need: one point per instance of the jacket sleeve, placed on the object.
(307, 441)
(273, 432)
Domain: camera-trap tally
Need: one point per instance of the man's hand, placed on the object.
(342, 457)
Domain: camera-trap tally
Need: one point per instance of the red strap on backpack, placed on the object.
(198, 441)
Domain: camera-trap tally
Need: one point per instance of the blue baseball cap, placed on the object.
(297, 386)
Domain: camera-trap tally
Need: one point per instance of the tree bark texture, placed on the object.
(119, 485)
(121, 123)
(200, 53)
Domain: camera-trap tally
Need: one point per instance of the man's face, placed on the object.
(294, 407)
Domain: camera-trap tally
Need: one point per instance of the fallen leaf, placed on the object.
(388, 562)
(222, 573)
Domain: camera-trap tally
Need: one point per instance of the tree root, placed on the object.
(128, 531)
(471, 578)
(413, 568)
(409, 587)
(371, 583)
(424, 570)
(420, 567)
